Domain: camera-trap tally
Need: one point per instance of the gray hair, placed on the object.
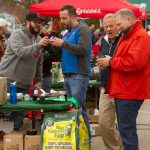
(124, 13)
(109, 15)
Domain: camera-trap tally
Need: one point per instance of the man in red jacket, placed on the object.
(129, 81)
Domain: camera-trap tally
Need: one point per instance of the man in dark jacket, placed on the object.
(107, 114)
(50, 54)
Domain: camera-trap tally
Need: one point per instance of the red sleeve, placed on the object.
(136, 57)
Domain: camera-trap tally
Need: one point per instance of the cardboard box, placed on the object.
(6, 126)
(32, 142)
(13, 141)
(93, 118)
(90, 111)
(95, 130)
(3, 90)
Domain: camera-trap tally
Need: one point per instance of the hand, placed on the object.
(44, 41)
(56, 42)
(103, 62)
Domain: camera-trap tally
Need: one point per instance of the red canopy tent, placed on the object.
(87, 8)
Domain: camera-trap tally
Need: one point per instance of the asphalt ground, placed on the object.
(143, 129)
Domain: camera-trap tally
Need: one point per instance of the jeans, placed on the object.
(76, 87)
(46, 85)
(127, 111)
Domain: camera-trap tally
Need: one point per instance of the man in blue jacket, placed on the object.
(76, 54)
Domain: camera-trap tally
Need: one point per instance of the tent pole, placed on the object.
(101, 22)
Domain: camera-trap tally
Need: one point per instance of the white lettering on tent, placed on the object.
(88, 11)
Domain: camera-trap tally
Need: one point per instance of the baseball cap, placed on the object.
(34, 16)
(3, 22)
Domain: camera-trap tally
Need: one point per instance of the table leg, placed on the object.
(97, 97)
(33, 120)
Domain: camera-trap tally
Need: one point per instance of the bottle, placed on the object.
(26, 97)
(20, 96)
(13, 94)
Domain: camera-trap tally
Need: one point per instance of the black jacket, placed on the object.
(107, 48)
(51, 54)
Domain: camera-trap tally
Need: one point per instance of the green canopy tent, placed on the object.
(143, 4)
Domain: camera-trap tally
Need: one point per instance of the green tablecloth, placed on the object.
(59, 85)
(31, 105)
